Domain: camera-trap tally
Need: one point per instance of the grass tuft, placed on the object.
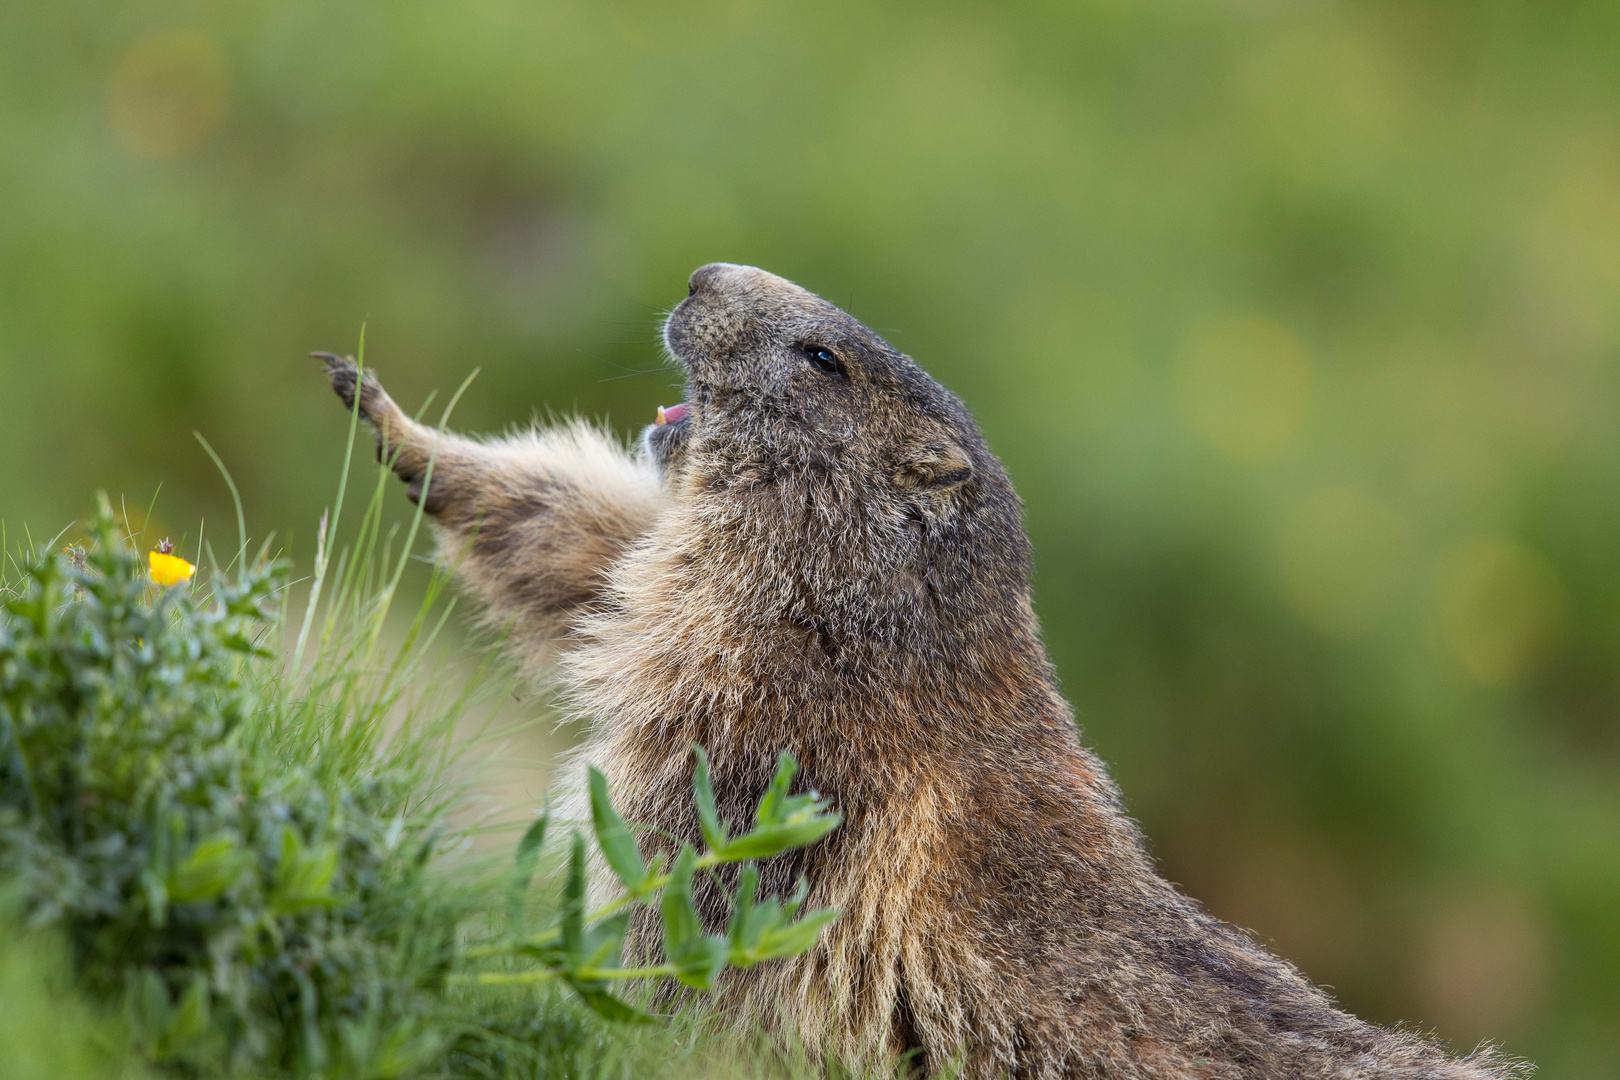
(223, 856)
(239, 853)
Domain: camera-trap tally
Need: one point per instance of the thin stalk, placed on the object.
(236, 498)
(587, 974)
(705, 862)
(322, 540)
(427, 481)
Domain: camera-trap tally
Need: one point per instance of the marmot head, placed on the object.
(849, 476)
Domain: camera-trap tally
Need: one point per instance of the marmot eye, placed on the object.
(823, 359)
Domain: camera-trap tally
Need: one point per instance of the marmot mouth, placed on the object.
(664, 440)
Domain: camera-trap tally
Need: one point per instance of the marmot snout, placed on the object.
(820, 554)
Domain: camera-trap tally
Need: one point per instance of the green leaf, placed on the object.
(617, 845)
(781, 822)
(314, 1048)
(715, 831)
(795, 938)
(701, 961)
(157, 898)
(744, 928)
(303, 876)
(607, 1006)
(762, 843)
(696, 956)
(604, 941)
(149, 1001)
(405, 1050)
(205, 873)
(527, 857)
(188, 1023)
(239, 643)
(680, 918)
(770, 810)
(528, 849)
(572, 913)
(551, 952)
(761, 930)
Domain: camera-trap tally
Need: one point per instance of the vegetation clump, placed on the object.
(246, 859)
(256, 910)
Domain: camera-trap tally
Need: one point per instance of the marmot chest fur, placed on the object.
(819, 553)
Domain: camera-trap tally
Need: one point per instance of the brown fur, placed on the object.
(835, 564)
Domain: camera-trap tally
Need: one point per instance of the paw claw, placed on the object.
(343, 372)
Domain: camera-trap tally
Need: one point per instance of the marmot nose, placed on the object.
(723, 277)
(706, 278)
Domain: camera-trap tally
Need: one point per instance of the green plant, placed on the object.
(193, 829)
(585, 949)
(248, 854)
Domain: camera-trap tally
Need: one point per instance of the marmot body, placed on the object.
(820, 554)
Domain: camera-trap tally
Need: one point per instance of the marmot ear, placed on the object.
(934, 466)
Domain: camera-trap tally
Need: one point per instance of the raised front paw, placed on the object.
(376, 407)
(347, 378)
(408, 456)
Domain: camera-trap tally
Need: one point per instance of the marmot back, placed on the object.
(817, 552)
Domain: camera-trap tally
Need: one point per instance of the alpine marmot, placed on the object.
(817, 552)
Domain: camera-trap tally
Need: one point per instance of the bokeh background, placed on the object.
(1297, 323)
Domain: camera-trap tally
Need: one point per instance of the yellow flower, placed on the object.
(169, 569)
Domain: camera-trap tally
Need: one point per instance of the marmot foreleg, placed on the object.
(531, 521)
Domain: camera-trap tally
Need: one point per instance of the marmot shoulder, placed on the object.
(818, 552)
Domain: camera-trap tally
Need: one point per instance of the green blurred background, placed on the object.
(1296, 323)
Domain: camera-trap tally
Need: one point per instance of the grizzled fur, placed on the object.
(833, 562)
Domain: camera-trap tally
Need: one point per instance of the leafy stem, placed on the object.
(585, 949)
